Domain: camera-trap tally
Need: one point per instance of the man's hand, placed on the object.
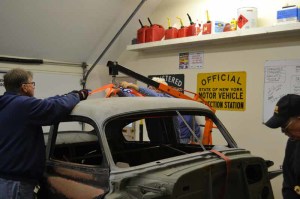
(125, 84)
(83, 94)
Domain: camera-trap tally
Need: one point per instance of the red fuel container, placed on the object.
(207, 26)
(206, 29)
(141, 33)
(182, 32)
(193, 29)
(155, 32)
(171, 33)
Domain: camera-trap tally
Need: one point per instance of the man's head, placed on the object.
(19, 81)
(159, 80)
(287, 107)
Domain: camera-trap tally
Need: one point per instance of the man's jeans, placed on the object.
(185, 140)
(10, 189)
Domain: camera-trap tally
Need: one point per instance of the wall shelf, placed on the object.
(260, 33)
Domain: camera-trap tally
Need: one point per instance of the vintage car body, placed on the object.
(90, 154)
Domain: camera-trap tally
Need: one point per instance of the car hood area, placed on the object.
(204, 176)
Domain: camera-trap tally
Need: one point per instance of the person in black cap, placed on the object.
(287, 116)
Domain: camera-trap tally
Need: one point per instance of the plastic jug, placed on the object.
(171, 32)
(141, 33)
(207, 25)
(155, 32)
(193, 29)
(182, 32)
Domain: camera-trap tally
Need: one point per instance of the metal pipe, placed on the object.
(62, 63)
(36, 61)
(112, 41)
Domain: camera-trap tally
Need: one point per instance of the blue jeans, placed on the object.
(185, 140)
(10, 189)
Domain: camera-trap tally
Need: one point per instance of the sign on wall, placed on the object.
(223, 91)
(281, 77)
(175, 80)
(191, 60)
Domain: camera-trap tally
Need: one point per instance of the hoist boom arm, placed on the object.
(114, 68)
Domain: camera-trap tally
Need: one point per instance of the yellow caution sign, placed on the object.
(223, 91)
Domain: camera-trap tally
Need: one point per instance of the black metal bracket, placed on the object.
(114, 68)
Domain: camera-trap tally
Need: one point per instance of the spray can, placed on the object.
(141, 33)
(233, 24)
(155, 32)
(171, 32)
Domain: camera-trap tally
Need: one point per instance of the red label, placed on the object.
(241, 21)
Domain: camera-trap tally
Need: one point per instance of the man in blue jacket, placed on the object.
(22, 147)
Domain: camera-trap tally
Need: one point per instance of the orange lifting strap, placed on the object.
(112, 91)
(228, 165)
(207, 137)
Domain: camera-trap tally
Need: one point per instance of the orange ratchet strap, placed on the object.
(108, 86)
(136, 93)
(112, 90)
(228, 165)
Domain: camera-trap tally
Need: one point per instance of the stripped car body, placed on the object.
(129, 148)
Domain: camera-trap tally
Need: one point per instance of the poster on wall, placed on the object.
(223, 90)
(191, 60)
(281, 77)
(174, 80)
(2, 89)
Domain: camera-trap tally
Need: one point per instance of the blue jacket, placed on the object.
(22, 146)
(184, 130)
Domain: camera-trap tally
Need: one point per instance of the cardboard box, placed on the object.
(288, 14)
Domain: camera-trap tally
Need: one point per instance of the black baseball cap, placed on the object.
(288, 106)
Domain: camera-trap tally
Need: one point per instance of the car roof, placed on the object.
(103, 108)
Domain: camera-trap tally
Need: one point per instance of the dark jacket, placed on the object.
(291, 169)
(22, 146)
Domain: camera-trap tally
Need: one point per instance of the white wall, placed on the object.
(246, 127)
(50, 79)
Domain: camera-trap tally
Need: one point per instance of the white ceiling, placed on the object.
(67, 30)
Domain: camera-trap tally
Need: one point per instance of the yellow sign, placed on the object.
(223, 91)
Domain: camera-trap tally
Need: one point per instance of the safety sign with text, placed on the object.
(223, 91)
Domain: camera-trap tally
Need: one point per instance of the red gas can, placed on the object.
(141, 33)
(206, 28)
(193, 29)
(207, 25)
(155, 32)
(171, 32)
(182, 32)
